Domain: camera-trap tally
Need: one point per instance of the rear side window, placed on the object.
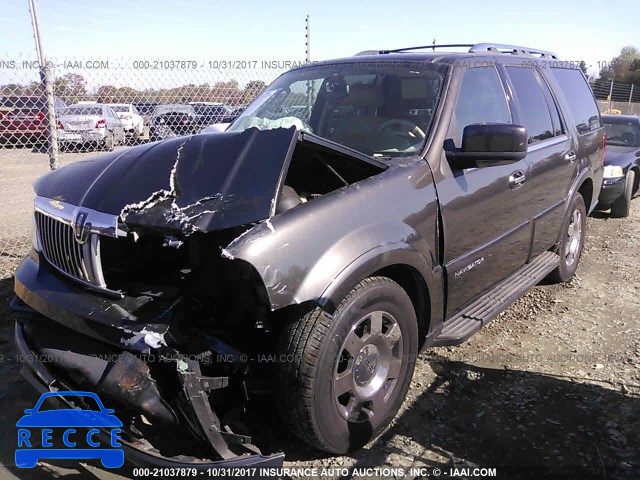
(534, 110)
(581, 102)
(553, 107)
(481, 99)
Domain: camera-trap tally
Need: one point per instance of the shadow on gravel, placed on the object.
(492, 417)
(489, 417)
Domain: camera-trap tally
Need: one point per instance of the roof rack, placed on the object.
(513, 49)
(474, 48)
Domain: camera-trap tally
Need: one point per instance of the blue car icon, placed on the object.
(41, 417)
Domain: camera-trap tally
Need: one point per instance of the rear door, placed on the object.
(550, 153)
(486, 216)
(583, 122)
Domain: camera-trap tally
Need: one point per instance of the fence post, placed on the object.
(630, 97)
(610, 95)
(45, 80)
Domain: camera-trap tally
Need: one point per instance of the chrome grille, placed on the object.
(60, 248)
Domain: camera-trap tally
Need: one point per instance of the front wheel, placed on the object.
(571, 241)
(344, 378)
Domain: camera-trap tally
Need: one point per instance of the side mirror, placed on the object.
(488, 145)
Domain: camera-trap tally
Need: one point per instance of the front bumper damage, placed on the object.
(57, 357)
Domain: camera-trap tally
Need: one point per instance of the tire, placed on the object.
(319, 367)
(108, 142)
(622, 205)
(571, 242)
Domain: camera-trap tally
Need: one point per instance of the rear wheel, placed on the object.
(108, 142)
(622, 205)
(572, 241)
(344, 378)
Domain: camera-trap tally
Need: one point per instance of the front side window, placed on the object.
(534, 110)
(481, 100)
(381, 108)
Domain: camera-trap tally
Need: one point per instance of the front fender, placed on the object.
(319, 251)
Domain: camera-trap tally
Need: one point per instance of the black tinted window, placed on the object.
(581, 102)
(533, 105)
(480, 100)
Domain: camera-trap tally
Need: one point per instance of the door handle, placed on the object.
(570, 156)
(516, 179)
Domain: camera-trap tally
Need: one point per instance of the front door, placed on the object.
(485, 211)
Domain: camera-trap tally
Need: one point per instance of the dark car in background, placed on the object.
(299, 260)
(210, 113)
(23, 119)
(145, 109)
(621, 164)
(173, 120)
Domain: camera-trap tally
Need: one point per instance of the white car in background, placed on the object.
(95, 123)
(131, 120)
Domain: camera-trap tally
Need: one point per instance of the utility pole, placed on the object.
(308, 38)
(45, 80)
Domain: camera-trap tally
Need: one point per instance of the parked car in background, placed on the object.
(208, 113)
(444, 191)
(222, 124)
(621, 164)
(23, 119)
(132, 121)
(82, 124)
(173, 120)
(145, 110)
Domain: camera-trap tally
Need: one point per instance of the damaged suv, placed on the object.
(357, 211)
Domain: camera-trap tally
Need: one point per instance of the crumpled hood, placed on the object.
(196, 183)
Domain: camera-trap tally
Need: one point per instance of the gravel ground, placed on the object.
(553, 381)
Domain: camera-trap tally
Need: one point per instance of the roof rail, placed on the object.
(514, 49)
(473, 48)
(407, 49)
(367, 52)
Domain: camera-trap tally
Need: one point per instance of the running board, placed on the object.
(475, 316)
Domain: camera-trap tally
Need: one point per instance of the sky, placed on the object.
(260, 30)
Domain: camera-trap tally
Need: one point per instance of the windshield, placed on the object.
(381, 108)
(120, 108)
(82, 111)
(622, 133)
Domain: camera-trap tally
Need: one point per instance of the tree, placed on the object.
(70, 85)
(252, 89)
(227, 92)
(625, 68)
(583, 66)
(107, 94)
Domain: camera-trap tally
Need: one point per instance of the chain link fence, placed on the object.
(102, 105)
(615, 97)
(106, 104)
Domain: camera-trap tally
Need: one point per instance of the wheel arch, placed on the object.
(415, 286)
(636, 180)
(404, 266)
(586, 190)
